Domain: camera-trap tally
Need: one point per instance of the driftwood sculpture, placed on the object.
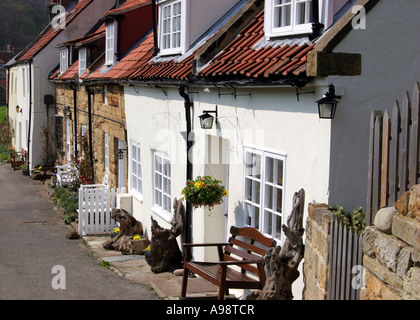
(164, 249)
(129, 227)
(281, 263)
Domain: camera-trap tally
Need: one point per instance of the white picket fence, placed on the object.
(95, 205)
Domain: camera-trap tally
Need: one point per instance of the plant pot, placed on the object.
(140, 245)
(114, 234)
(148, 257)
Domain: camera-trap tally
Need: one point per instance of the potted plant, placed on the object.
(115, 232)
(204, 191)
(25, 170)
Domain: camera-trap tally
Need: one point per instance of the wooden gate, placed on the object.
(95, 205)
(345, 259)
(393, 153)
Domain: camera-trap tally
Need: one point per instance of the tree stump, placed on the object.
(281, 263)
(164, 249)
(129, 227)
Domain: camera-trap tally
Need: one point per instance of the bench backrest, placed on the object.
(251, 244)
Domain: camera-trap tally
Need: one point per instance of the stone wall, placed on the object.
(315, 266)
(106, 118)
(391, 251)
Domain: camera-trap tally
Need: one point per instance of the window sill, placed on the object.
(137, 196)
(165, 215)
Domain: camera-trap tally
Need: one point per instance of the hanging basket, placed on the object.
(204, 192)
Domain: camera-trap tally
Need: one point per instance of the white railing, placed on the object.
(95, 205)
(66, 175)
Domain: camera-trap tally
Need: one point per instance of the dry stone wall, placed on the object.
(391, 249)
(315, 266)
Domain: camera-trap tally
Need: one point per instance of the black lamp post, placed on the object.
(206, 120)
(327, 106)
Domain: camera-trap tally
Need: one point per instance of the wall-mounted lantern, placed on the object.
(206, 120)
(327, 106)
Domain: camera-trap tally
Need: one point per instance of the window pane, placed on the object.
(303, 11)
(269, 169)
(268, 222)
(279, 172)
(257, 217)
(279, 200)
(256, 169)
(256, 192)
(278, 226)
(269, 197)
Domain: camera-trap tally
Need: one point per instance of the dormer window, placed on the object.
(82, 60)
(171, 24)
(288, 17)
(111, 43)
(64, 60)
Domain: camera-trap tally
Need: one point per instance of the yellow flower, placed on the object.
(225, 193)
(199, 185)
(116, 230)
(137, 237)
(148, 248)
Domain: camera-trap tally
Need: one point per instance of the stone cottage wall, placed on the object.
(391, 249)
(315, 267)
(106, 118)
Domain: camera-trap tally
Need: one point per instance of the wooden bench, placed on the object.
(17, 159)
(243, 253)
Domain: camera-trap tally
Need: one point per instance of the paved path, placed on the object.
(33, 242)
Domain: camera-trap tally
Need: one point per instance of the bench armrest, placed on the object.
(204, 244)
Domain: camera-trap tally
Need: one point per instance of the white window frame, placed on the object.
(162, 186)
(166, 23)
(111, 43)
(64, 60)
(270, 19)
(136, 171)
(258, 203)
(106, 152)
(82, 60)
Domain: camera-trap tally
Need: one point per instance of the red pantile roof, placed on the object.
(50, 33)
(128, 6)
(250, 56)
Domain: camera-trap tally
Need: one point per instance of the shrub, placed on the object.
(355, 220)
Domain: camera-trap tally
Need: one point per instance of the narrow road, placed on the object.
(37, 261)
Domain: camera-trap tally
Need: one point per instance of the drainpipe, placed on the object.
(89, 92)
(30, 116)
(155, 35)
(316, 25)
(73, 87)
(188, 213)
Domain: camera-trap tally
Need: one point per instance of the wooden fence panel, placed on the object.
(393, 166)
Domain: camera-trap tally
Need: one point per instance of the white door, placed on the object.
(122, 165)
(68, 150)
